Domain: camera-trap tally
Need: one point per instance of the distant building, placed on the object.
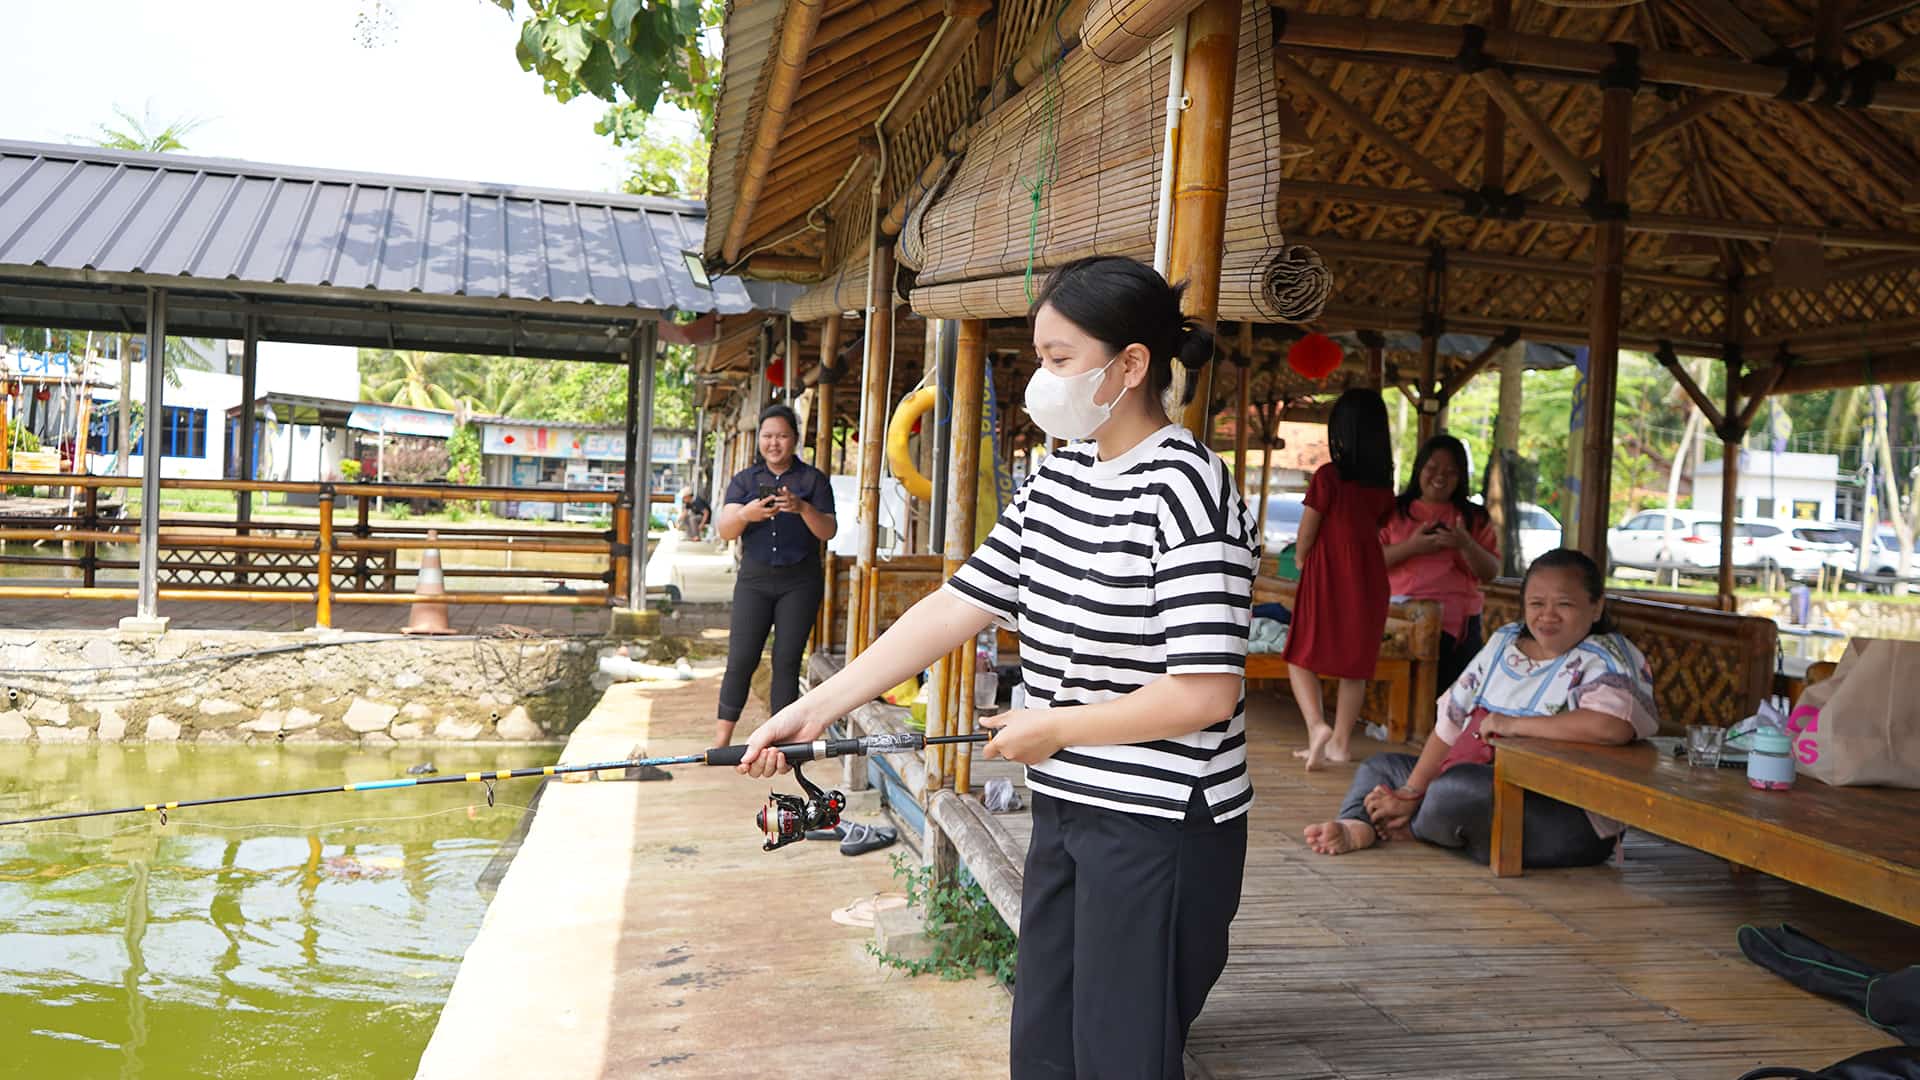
(574, 457)
(1784, 487)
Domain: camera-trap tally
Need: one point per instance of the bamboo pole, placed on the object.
(323, 580)
(1594, 500)
(622, 526)
(1559, 157)
(941, 59)
(797, 26)
(963, 502)
(1357, 118)
(1242, 414)
(873, 417)
(823, 460)
(1200, 181)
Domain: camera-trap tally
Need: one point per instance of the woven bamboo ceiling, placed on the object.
(1801, 217)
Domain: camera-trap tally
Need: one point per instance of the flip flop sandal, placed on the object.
(861, 912)
(861, 839)
(835, 834)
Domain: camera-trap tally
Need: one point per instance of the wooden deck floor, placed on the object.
(1410, 961)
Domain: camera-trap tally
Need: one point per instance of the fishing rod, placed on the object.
(785, 818)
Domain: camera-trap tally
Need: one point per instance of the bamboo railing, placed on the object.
(356, 563)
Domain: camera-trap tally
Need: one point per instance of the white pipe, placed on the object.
(1176, 104)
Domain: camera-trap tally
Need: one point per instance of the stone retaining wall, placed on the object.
(76, 686)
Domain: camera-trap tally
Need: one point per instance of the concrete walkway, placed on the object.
(641, 928)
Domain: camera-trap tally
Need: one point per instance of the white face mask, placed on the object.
(1063, 406)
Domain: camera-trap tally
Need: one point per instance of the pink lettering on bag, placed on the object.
(1812, 715)
(1808, 751)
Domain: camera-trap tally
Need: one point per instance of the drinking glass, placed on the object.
(1704, 743)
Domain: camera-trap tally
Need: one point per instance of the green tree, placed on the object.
(667, 165)
(140, 133)
(630, 54)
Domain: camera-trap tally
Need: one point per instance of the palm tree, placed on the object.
(451, 381)
(138, 133)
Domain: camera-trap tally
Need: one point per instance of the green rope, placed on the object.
(1047, 161)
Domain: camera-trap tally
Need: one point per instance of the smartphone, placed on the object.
(767, 491)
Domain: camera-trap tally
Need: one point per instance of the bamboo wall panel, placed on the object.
(1098, 189)
(1856, 303)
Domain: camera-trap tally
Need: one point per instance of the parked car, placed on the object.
(691, 571)
(1540, 532)
(1780, 549)
(1882, 558)
(1687, 541)
(1283, 519)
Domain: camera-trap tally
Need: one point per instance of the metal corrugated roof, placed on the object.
(118, 211)
(348, 258)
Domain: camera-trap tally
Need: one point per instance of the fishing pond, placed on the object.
(305, 937)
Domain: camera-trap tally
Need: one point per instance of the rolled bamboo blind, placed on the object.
(844, 290)
(1116, 31)
(1098, 188)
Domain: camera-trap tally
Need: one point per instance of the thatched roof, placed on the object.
(1799, 218)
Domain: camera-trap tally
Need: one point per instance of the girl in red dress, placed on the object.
(1341, 609)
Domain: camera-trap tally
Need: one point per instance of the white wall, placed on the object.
(1789, 484)
(328, 371)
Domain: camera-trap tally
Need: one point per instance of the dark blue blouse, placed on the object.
(783, 539)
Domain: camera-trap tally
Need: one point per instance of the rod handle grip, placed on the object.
(796, 752)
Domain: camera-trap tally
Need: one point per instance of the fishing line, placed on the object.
(784, 819)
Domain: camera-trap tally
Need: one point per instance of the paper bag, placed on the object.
(1861, 725)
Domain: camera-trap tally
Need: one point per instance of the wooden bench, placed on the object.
(1406, 673)
(1709, 666)
(1854, 843)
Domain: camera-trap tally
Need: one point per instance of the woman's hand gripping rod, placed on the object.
(787, 818)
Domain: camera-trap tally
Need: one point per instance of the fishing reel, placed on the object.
(787, 818)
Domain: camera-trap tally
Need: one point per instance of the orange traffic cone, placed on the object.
(427, 617)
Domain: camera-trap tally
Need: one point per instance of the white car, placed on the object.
(1283, 519)
(691, 571)
(1540, 532)
(1684, 540)
(1778, 546)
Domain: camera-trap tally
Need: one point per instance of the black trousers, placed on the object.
(1457, 652)
(1458, 813)
(1123, 931)
(781, 599)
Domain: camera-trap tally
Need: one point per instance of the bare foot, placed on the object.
(1317, 734)
(1316, 754)
(1338, 751)
(1339, 837)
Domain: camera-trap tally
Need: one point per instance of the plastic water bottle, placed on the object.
(1770, 760)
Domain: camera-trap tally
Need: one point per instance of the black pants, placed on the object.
(1123, 931)
(1458, 813)
(785, 600)
(1457, 652)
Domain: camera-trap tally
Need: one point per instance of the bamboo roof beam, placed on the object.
(1650, 135)
(1341, 69)
(1330, 99)
(1897, 367)
(1564, 162)
(944, 55)
(1759, 170)
(1822, 179)
(1527, 52)
(1461, 376)
(1056, 36)
(1413, 255)
(1866, 15)
(1459, 203)
(833, 49)
(797, 26)
(1455, 90)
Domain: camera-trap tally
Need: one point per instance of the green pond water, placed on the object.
(307, 937)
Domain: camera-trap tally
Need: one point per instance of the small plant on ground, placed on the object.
(400, 511)
(968, 935)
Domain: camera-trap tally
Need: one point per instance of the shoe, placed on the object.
(861, 839)
(835, 834)
(862, 911)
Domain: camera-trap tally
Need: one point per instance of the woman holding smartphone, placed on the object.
(1440, 545)
(781, 510)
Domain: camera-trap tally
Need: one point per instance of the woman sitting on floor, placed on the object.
(1563, 673)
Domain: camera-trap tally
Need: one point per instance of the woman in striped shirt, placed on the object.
(1126, 563)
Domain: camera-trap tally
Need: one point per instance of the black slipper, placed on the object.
(864, 838)
(835, 834)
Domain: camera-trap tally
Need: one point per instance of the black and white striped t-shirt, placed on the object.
(1116, 573)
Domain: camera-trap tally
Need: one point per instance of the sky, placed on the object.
(290, 82)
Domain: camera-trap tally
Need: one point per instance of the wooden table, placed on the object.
(1859, 844)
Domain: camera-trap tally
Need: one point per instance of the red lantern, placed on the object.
(1315, 356)
(777, 372)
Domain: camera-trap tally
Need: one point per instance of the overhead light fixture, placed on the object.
(697, 270)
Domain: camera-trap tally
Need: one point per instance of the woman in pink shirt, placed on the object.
(1441, 546)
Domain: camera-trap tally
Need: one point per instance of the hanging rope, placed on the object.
(1046, 163)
